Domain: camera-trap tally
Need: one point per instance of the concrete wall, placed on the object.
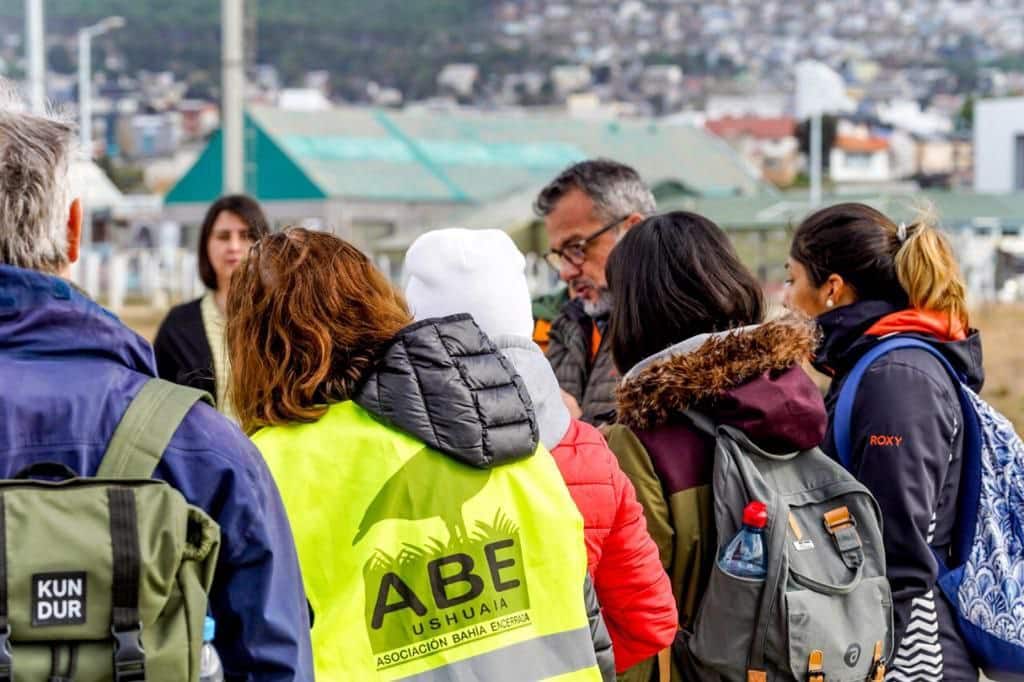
(997, 123)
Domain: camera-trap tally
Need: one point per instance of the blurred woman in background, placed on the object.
(189, 345)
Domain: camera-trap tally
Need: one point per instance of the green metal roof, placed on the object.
(274, 175)
(460, 157)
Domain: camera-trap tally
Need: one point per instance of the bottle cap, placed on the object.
(755, 515)
(209, 629)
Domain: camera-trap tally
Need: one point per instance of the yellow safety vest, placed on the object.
(419, 567)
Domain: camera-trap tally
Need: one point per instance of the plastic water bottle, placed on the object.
(744, 556)
(210, 669)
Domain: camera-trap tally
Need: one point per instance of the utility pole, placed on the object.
(35, 44)
(232, 96)
(815, 160)
(85, 92)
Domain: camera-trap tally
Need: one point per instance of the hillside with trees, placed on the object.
(355, 40)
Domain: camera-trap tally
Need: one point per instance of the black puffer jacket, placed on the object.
(907, 444)
(443, 381)
(590, 380)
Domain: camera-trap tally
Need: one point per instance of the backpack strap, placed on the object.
(146, 429)
(844, 405)
(756, 665)
(6, 670)
(126, 623)
(970, 476)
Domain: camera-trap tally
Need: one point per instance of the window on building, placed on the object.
(858, 160)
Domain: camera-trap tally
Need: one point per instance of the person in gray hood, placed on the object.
(481, 272)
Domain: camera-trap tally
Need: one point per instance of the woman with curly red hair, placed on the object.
(434, 536)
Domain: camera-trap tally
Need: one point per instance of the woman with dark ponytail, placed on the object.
(865, 277)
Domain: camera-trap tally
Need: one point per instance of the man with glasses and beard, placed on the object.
(586, 210)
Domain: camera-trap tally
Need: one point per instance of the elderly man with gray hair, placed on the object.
(69, 370)
(586, 210)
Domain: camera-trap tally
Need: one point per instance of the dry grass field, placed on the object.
(143, 319)
(1001, 328)
(1002, 332)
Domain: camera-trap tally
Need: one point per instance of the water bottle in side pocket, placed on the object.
(744, 556)
(210, 668)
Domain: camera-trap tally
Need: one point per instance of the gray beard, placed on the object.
(599, 308)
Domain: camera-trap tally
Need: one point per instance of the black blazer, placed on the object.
(183, 351)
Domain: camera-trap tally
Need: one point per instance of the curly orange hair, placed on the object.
(307, 315)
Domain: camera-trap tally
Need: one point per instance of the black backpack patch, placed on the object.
(58, 598)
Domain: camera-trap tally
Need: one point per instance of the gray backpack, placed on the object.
(824, 612)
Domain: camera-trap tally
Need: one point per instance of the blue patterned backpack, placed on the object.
(985, 579)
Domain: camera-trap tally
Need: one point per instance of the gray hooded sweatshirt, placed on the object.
(535, 370)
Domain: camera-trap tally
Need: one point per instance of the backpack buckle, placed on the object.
(816, 666)
(129, 656)
(6, 664)
(842, 526)
(838, 519)
(878, 665)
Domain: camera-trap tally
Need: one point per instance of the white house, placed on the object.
(860, 159)
(459, 78)
(303, 99)
(999, 145)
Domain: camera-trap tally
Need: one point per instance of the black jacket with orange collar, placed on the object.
(907, 449)
(580, 353)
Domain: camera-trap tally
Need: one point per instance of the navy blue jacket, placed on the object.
(68, 369)
(907, 443)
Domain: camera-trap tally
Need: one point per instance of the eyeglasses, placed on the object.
(576, 252)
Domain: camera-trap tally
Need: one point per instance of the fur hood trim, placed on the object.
(701, 369)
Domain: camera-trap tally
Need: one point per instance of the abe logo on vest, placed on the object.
(58, 599)
(436, 595)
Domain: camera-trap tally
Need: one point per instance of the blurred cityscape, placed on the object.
(382, 119)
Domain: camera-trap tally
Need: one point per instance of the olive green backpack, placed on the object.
(106, 578)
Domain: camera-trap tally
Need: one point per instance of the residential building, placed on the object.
(999, 145)
(459, 79)
(860, 160)
(769, 144)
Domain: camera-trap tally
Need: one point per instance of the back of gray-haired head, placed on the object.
(615, 188)
(35, 185)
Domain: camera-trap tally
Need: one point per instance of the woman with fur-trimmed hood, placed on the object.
(687, 332)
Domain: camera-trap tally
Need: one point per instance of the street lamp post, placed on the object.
(85, 36)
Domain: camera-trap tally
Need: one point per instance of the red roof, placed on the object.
(754, 126)
(861, 144)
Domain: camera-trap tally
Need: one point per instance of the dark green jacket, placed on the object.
(750, 380)
(591, 381)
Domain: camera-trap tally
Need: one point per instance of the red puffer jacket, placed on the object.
(633, 588)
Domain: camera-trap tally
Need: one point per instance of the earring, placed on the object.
(829, 303)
